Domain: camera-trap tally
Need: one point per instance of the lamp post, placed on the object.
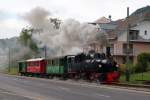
(45, 51)
(128, 48)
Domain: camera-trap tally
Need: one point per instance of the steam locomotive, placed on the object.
(92, 66)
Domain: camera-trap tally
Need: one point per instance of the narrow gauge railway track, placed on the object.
(138, 87)
(124, 85)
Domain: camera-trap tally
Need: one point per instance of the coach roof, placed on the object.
(36, 59)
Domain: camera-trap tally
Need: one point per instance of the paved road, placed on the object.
(7, 95)
(22, 88)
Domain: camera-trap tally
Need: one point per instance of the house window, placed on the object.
(134, 34)
(125, 48)
(124, 60)
(145, 32)
(111, 48)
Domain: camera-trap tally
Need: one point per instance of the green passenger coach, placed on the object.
(58, 66)
(55, 66)
(22, 67)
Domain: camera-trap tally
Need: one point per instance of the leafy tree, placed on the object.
(56, 22)
(143, 62)
(25, 39)
(33, 46)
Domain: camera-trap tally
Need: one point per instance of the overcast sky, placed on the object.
(82, 10)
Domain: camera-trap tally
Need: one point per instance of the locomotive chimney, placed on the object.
(108, 52)
(109, 17)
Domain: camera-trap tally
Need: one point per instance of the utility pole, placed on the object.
(128, 48)
(45, 51)
(9, 60)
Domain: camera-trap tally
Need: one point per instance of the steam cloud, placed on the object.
(68, 39)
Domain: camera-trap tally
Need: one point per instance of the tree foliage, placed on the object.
(143, 62)
(25, 39)
(56, 22)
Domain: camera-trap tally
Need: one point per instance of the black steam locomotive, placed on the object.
(93, 66)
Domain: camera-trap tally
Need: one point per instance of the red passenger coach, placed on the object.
(37, 65)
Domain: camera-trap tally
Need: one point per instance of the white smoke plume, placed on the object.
(11, 51)
(68, 39)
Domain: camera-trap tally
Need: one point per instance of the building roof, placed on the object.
(112, 34)
(102, 20)
(36, 59)
(140, 41)
(142, 10)
(135, 18)
(121, 24)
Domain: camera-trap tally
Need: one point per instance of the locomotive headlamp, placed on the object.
(99, 65)
(87, 61)
(117, 65)
(98, 60)
(104, 61)
(92, 61)
(92, 55)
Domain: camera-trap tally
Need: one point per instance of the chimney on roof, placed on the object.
(127, 11)
(109, 17)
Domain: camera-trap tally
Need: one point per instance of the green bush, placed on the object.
(131, 67)
(122, 68)
(148, 68)
(143, 62)
(134, 68)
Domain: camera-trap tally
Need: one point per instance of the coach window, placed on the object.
(28, 63)
(34, 63)
(69, 60)
(38, 63)
(61, 62)
(31, 63)
(52, 62)
(57, 62)
(49, 62)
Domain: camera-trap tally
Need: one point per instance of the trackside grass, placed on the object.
(12, 71)
(136, 78)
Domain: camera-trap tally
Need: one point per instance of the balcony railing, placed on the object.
(130, 51)
(122, 52)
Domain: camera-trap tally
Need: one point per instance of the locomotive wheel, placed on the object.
(20, 74)
(71, 76)
(77, 76)
(91, 77)
(83, 76)
(65, 76)
(51, 76)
